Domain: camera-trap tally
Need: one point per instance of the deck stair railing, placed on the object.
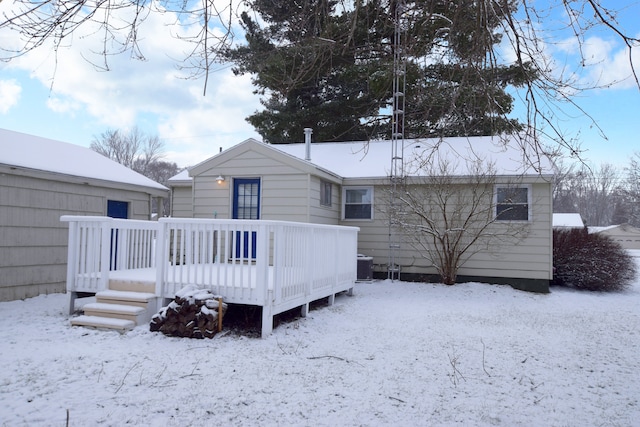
(98, 245)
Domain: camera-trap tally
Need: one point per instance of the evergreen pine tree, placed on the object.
(328, 68)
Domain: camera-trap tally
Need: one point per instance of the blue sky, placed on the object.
(74, 102)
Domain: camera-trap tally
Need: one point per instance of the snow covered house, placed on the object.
(626, 235)
(348, 183)
(43, 179)
(568, 221)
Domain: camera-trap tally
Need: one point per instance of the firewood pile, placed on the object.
(193, 313)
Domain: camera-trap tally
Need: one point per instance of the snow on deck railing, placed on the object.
(275, 264)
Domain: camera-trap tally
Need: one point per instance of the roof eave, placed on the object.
(160, 191)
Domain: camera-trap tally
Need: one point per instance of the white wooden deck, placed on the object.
(272, 264)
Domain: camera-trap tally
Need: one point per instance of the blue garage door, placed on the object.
(116, 209)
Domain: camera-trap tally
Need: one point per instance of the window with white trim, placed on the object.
(513, 203)
(357, 203)
(325, 193)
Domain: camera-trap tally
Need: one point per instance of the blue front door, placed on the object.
(246, 205)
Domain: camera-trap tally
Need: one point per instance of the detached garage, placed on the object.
(626, 235)
(41, 180)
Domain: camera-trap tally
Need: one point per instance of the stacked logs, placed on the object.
(193, 313)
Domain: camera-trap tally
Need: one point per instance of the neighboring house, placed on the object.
(181, 195)
(347, 184)
(626, 235)
(43, 179)
(567, 221)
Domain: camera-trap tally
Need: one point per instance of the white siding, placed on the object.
(211, 199)
(284, 189)
(320, 214)
(33, 241)
(250, 163)
(181, 202)
(290, 190)
(526, 258)
(286, 197)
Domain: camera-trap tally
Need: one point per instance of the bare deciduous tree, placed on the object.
(594, 192)
(631, 190)
(447, 211)
(563, 197)
(137, 151)
(132, 149)
(205, 27)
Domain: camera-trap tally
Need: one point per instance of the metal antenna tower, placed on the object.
(397, 135)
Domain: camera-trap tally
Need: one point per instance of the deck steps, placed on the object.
(139, 299)
(132, 285)
(103, 322)
(116, 311)
(125, 305)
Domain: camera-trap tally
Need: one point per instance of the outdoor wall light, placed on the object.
(220, 179)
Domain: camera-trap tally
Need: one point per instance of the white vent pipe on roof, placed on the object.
(307, 143)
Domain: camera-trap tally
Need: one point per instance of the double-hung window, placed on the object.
(357, 203)
(513, 203)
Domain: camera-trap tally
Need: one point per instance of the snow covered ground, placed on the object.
(393, 354)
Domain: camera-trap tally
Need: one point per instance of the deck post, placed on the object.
(262, 264)
(262, 279)
(310, 256)
(72, 263)
(267, 320)
(105, 251)
(332, 299)
(337, 259)
(162, 244)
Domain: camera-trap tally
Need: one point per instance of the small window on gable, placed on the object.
(357, 203)
(325, 193)
(513, 203)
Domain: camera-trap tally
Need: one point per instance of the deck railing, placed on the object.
(275, 264)
(98, 245)
(243, 259)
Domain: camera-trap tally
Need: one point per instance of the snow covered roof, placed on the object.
(42, 154)
(567, 220)
(372, 159)
(369, 159)
(183, 176)
(600, 229)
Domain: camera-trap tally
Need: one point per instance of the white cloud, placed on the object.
(63, 105)
(614, 67)
(600, 62)
(9, 94)
(216, 121)
(153, 91)
(595, 58)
